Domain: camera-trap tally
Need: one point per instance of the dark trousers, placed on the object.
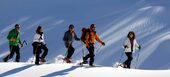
(45, 51)
(90, 55)
(70, 51)
(37, 50)
(13, 49)
(129, 59)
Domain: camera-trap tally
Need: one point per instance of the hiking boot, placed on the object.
(91, 65)
(43, 60)
(85, 62)
(67, 60)
(5, 60)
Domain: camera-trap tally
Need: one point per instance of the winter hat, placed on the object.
(92, 26)
(71, 26)
(83, 29)
(17, 26)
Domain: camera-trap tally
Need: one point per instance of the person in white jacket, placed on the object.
(130, 45)
(38, 45)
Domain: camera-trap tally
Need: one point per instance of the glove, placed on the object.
(21, 45)
(126, 46)
(103, 43)
(139, 47)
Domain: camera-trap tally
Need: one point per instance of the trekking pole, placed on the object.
(99, 48)
(24, 42)
(137, 59)
(82, 51)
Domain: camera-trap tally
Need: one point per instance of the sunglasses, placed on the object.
(17, 27)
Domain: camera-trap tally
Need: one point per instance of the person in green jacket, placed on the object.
(14, 41)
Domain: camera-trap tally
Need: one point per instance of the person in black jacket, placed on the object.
(68, 39)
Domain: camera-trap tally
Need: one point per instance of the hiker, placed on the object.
(130, 45)
(68, 39)
(14, 41)
(39, 45)
(88, 37)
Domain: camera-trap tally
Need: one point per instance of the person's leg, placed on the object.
(45, 52)
(70, 52)
(86, 57)
(17, 50)
(129, 59)
(34, 49)
(37, 55)
(10, 55)
(91, 51)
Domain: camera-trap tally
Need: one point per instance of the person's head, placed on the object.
(132, 35)
(83, 30)
(39, 30)
(92, 27)
(17, 27)
(71, 27)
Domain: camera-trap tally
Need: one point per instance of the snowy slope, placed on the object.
(114, 18)
(71, 70)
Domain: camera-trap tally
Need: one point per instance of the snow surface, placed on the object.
(12, 69)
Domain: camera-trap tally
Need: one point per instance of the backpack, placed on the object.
(85, 31)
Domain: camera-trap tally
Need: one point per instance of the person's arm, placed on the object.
(125, 43)
(65, 38)
(99, 40)
(19, 36)
(76, 38)
(43, 40)
(20, 43)
(137, 45)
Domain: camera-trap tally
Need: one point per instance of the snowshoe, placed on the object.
(92, 65)
(42, 60)
(5, 60)
(84, 62)
(121, 65)
(67, 60)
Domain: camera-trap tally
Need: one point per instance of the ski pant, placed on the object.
(70, 51)
(90, 55)
(129, 59)
(45, 51)
(13, 49)
(43, 47)
(37, 51)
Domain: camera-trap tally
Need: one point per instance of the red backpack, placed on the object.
(84, 32)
